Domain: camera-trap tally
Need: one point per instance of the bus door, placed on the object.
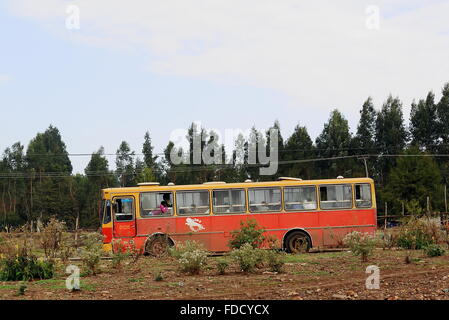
(124, 217)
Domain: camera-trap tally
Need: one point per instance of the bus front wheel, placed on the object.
(157, 247)
(298, 242)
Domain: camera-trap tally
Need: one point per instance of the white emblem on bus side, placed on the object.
(194, 224)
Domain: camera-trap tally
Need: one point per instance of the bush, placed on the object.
(92, 252)
(388, 239)
(249, 232)
(275, 260)
(24, 267)
(247, 257)
(419, 233)
(222, 265)
(361, 244)
(17, 262)
(51, 237)
(434, 250)
(192, 257)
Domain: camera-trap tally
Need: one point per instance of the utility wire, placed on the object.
(201, 167)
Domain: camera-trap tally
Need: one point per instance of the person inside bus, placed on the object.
(165, 203)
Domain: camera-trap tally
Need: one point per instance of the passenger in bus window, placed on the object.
(165, 203)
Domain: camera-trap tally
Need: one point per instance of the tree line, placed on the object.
(410, 163)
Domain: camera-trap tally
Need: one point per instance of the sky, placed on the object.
(134, 66)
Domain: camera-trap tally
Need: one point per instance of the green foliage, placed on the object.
(191, 256)
(361, 244)
(249, 232)
(418, 233)
(247, 257)
(275, 260)
(412, 180)
(91, 253)
(434, 250)
(222, 265)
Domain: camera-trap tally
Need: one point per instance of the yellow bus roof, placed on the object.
(221, 185)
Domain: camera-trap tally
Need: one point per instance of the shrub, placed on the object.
(222, 265)
(191, 257)
(25, 267)
(247, 257)
(118, 255)
(19, 264)
(388, 239)
(249, 232)
(434, 250)
(92, 252)
(275, 260)
(51, 237)
(419, 233)
(361, 244)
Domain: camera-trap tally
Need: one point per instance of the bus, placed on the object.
(300, 214)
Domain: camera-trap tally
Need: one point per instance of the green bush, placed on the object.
(434, 250)
(275, 260)
(91, 253)
(249, 232)
(417, 233)
(25, 268)
(361, 244)
(247, 257)
(191, 256)
(222, 265)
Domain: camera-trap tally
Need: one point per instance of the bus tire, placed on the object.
(158, 246)
(298, 242)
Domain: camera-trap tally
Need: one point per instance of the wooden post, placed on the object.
(428, 205)
(76, 231)
(386, 214)
(445, 198)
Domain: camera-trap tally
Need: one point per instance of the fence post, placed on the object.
(445, 198)
(386, 214)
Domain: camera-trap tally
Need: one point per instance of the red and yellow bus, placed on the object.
(298, 213)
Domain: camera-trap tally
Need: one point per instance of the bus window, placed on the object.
(363, 196)
(192, 202)
(150, 204)
(107, 212)
(229, 201)
(336, 196)
(300, 198)
(124, 209)
(264, 199)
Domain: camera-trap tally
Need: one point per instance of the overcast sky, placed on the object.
(134, 66)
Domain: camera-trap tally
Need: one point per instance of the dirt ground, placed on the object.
(325, 275)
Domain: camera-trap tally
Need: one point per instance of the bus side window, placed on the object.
(229, 201)
(336, 196)
(107, 212)
(300, 198)
(363, 196)
(264, 199)
(124, 209)
(150, 204)
(192, 202)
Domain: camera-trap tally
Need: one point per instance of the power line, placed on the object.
(195, 167)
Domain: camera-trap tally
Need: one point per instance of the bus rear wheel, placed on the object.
(298, 242)
(157, 247)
